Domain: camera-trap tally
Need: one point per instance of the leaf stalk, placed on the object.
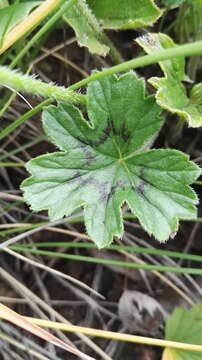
(194, 48)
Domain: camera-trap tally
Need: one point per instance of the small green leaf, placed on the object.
(196, 95)
(14, 14)
(86, 27)
(104, 163)
(171, 94)
(128, 14)
(185, 326)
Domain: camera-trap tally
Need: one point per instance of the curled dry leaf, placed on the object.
(140, 312)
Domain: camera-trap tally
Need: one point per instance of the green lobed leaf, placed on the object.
(185, 326)
(104, 163)
(171, 94)
(128, 14)
(86, 27)
(14, 14)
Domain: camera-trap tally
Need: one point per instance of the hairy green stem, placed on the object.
(179, 51)
(27, 84)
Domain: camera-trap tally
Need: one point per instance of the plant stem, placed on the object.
(23, 147)
(11, 164)
(139, 250)
(113, 335)
(181, 50)
(23, 118)
(24, 83)
(161, 268)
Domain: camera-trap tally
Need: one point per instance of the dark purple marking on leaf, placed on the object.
(125, 136)
(105, 134)
(89, 157)
(118, 185)
(87, 181)
(102, 138)
(103, 190)
(123, 132)
(101, 187)
(93, 142)
(111, 193)
(140, 188)
(144, 182)
(82, 141)
(76, 176)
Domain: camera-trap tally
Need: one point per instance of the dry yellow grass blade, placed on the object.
(27, 24)
(116, 336)
(26, 324)
(36, 301)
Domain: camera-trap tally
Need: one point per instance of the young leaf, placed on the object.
(103, 163)
(128, 14)
(171, 94)
(196, 94)
(14, 14)
(185, 326)
(86, 27)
